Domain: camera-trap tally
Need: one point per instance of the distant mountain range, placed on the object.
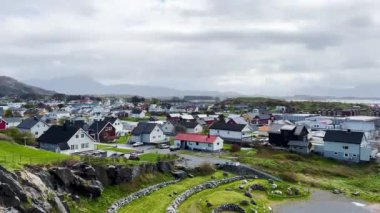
(84, 85)
(12, 87)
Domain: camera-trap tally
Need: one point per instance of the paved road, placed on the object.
(189, 160)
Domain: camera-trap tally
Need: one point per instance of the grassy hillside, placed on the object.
(315, 171)
(14, 156)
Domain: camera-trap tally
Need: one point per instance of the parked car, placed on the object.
(164, 146)
(173, 148)
(137, 144)
(134, 156)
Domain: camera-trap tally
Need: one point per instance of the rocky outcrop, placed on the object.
(38, 189)
(173, 208)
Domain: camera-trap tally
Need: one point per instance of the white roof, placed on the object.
(363, 118)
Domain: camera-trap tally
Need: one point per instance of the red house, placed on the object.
(102, 131)
(3, 124)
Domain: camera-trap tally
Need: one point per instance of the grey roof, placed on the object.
(28, 123)
(275, 128)
(189, 125)
(13, 119)
(229, 127)
(1, 111)
(299, 130)
(341, 136)
(143, 128)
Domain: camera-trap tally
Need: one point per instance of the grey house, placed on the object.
(347, 146)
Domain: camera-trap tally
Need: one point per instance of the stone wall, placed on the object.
(246, 170)
(229, 208)
(173, 208)
(137, 195)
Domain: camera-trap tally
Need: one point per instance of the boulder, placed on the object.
(65, 175)
(277, 192)
(225, 174)
(248, 194)
(10, 180)
(229, 189)
(337, 191)
(274, 186)
(213, 177)
(356, 194)
(253, 202)
(244, 182)
(208, 204)
(190, 175)
(180, 174)
(270, 181)
(244, 203)
(8, 196)
(258, 187)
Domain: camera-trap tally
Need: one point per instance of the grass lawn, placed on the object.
(316, 171)
(153, 157)
(113, 148)
(218, 196)
(113, 193)
(14, 156)
(123, 139)
(158, 201)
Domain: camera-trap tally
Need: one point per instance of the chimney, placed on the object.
(208, 135)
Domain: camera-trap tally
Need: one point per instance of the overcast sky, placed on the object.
(249, 46)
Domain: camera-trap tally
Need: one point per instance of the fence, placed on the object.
(23, 160)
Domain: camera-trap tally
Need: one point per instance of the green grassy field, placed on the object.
(15, 156)
(158, 201)
(114, 193)
(113, 148)
(218, 196)
(315, 171)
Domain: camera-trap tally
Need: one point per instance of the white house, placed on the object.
(201, 142)
(66, 139)
(191, 126)
(231, 132)
(137, 113)
(168, 128)
(368, 124)
(347, 146)
(148, 133)
(34, 126)
(13, 122)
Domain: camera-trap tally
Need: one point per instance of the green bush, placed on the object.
(20, 137)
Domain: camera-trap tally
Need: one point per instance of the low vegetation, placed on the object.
(114, 193)
(15, 156)
(231, 193)
(158, 201)
(315, 171)
(19, 137)
(114, 148)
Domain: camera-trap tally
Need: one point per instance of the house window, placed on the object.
(345, 147)
(209, 145)
(72, 147)
(354, 155)
(217, 143)
(228, 132)
(36, 133)
(84, 145)
(335, 153)
(197, 144)
(346, 155)
(82, 135)
(76, 136)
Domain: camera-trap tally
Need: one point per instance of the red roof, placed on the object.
(192, 137)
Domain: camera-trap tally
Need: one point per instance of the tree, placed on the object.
(135, 100)
(222, 118)
(8, 113)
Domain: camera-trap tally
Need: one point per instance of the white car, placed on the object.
(137, 144)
